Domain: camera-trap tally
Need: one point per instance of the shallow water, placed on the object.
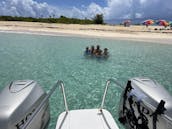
(47, 59)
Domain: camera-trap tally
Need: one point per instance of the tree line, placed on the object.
(98, 19)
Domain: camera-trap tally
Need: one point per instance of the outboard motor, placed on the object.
(145, 104)
(19, 101)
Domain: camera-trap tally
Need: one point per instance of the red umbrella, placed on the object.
(148, 22)
(163, 23)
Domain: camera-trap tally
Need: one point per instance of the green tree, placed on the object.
(98, 19)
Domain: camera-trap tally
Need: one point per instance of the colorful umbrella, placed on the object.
(162, 23)
(148, 22)
(127, 23)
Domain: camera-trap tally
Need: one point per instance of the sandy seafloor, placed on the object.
(152, 60)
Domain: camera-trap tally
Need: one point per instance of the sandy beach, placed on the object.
(137, 33)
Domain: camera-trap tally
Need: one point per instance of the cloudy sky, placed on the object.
(111, 9)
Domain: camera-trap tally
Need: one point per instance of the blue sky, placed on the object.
(111, 9)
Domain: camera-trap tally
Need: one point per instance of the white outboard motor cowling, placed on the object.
(145, 104)
(18, 101)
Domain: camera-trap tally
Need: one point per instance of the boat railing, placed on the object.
(58, 83)
(108, 82)
(61, 84)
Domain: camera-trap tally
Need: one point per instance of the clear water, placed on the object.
(47, 59)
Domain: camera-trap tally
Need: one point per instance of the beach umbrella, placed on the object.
(162, 23)
(148, 22)
(127, 23)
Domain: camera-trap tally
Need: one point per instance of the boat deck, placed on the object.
(86, 119)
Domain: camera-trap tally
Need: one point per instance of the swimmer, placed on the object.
(87, 51)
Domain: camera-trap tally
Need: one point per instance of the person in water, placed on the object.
(92, 51)
(105, 53)
(97, 50)
(87, 51)
(99, 53)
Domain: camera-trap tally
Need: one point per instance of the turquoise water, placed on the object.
(47, 59)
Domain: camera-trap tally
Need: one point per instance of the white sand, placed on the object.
(137, 33)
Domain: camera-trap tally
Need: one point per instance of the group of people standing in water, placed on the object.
(97, 52)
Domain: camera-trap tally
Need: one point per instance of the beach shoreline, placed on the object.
(134, 33)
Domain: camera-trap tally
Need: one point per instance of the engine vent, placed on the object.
(19, 85)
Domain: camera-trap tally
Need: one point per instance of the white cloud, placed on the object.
(26, 8)
(94, 9)
(138, 8)
(90, 11)
(114, 9)
(117, 8)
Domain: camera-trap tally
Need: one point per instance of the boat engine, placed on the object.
(19, 101)
(145, 104)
